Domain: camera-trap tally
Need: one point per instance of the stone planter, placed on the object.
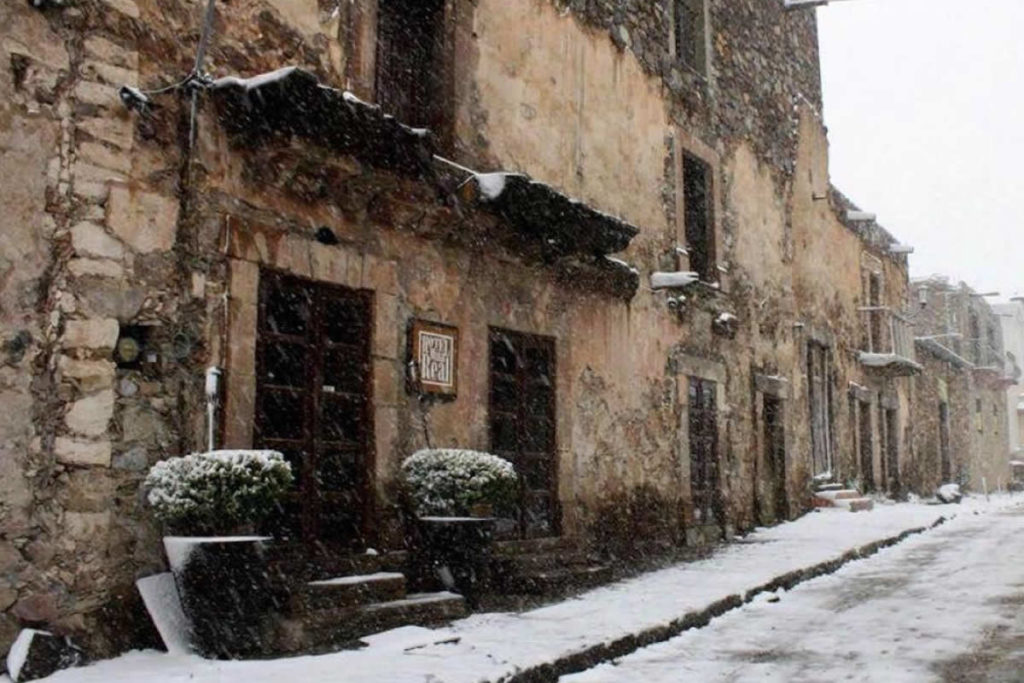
(225, 593)
(457, 551)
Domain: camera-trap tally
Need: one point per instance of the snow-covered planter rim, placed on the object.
(448, 482)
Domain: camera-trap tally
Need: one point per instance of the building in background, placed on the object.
(1011, 318)
(960, 403)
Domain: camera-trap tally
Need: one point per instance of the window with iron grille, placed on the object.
(410, 68)
(690, 32)
(700, 242)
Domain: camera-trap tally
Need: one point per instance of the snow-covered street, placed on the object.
(493, 646)
(942, 606)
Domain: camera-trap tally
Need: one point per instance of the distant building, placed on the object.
(1011, 318)
(960, 425)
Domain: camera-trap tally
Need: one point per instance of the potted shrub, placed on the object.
(454, 493)
(207, 501)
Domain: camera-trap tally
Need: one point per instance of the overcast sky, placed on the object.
(924, 101)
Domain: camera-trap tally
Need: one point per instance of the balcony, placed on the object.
(887, 345)
(990, 362)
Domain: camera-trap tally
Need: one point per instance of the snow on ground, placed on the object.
(488, 646)
(901, 616)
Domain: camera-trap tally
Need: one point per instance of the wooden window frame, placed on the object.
(700, 60)
(360, 37)
(686, 145)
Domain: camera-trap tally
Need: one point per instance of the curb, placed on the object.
(582, 660)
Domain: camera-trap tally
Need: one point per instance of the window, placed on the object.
(700, 243)
(703, 427)
(690, 34)
(875, 314)
(410, 65)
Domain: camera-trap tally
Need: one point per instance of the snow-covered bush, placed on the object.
(447, 481)
(217, 492)
(949, 493)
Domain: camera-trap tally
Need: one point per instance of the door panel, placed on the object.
(703, 436)
(313, 403)
(522, 423)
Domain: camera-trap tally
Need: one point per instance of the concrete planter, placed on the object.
(225, 593)
(457, 551)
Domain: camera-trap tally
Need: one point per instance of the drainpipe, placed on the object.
(213, 375)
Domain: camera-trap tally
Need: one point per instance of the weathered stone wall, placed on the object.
(116, 225)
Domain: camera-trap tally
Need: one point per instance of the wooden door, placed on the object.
(775, 453)
(703, 428)
(892, 450)
(313, 404)
(819, 370)
(867, 447)
(522, 424)
(945, 459)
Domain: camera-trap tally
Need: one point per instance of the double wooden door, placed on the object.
(313, 404)
(522, 424)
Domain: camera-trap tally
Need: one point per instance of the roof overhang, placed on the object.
(292, 101)
(564, 226)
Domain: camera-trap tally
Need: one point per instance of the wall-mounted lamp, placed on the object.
(901, 249)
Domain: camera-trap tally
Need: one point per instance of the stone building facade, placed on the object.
(749, 334)
(960, 406)
(1011, 318)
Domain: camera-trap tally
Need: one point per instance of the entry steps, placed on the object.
(327, 610)
(834, 495)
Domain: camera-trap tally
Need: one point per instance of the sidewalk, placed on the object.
(576, 633)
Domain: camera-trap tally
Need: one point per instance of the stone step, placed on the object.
(527, 562)
(350, 591)
(323, 630)
(532, 546)
(828, 487)
(838, 494)
(856, 504)
(557, 581)
(301, 564)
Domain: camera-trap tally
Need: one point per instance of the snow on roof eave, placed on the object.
(567, 225)
(292, 100)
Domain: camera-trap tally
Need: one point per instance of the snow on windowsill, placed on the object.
(881, 360)
(662, 280)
